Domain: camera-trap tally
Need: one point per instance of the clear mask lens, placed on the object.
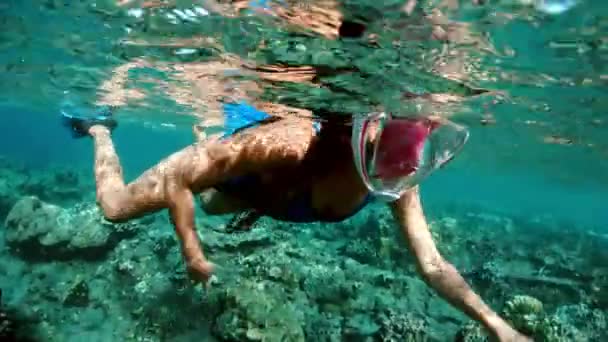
(395, 154)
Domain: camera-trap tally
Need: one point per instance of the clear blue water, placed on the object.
(542, 165)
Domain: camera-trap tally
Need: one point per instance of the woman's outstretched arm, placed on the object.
(440, 274)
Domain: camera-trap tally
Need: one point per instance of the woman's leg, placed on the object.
(118, 201)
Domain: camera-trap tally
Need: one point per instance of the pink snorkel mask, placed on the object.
(394, 154)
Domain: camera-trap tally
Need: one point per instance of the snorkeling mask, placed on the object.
(394, 154)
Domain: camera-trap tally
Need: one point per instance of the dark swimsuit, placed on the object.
(299, 209)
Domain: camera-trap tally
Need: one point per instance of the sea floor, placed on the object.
(68, 275)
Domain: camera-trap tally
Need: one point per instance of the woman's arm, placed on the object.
(440, 274)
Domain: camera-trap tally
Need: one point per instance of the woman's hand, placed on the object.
(200, 270)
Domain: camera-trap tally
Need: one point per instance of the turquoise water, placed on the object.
(520, 212)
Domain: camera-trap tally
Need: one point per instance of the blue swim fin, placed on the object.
(240, 115)
(79, 124)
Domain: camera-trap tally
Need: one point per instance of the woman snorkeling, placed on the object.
(298, 169)
(291, 169)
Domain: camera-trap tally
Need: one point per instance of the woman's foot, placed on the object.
(80, 125)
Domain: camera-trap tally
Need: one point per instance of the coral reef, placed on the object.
(71, 275)
(259, 311)
(566, 323)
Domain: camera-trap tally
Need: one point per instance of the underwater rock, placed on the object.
(77, 295)
(59, 185)
(39, 230)
(31, 218)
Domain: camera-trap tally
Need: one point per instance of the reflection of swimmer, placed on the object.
(323, 17)
(454, 64)
(205, 86)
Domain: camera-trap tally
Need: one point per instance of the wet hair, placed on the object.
(332, 148)
(335, 135)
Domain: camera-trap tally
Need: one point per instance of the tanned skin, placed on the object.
(269, 149)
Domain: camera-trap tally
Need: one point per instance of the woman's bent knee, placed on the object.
(114, 208)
